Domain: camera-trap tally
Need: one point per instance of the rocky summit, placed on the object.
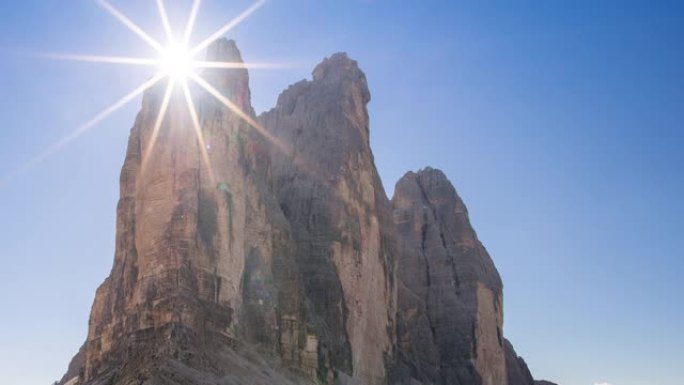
(269, 253)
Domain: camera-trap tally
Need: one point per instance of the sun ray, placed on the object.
(191, 22)
(130, 24)
(75, 134)
(232, 65)
(100, 59)
(222, 31)
(301, 161)
(238, 111)
(198, 131)
(165, 20)
(177, 65)
(157, 125)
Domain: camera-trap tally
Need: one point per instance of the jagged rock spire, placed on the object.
(265, 250)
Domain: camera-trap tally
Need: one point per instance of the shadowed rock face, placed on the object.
(193, 238)
(450, 299)
(327, 185)
(518, 373)
(269, 253)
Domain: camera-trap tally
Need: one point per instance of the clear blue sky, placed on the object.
(559, 122)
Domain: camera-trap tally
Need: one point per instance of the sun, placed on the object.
(176, 61)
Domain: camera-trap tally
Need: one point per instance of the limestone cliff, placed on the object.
(264, 250)
(450, 295)
(517, 371)
(196, 227)
(331, 194)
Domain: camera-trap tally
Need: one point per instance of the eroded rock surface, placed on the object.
(197, 226)
(265, 251)
(450, 296)
(518, 373)
(329, 190)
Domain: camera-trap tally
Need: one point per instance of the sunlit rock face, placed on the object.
(268, 252)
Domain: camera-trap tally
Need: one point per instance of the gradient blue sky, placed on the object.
(559, 122)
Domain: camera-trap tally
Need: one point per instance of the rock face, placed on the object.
(331, 194)
(265, 251)
(517, 371)
(195, 229)
(450, 296)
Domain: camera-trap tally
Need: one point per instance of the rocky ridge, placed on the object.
(269, 252)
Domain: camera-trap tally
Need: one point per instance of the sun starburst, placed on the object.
(176, 61)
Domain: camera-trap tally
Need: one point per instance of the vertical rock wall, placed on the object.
(268, 252)
(197, 230)
(450, 297)
(330, 192)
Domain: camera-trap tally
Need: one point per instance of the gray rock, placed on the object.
(518, 373)
(198, 236)
(450, 294)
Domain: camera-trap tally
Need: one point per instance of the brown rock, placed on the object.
(192, 236)
(269, 253)
(516, 368)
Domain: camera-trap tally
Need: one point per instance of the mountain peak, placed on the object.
(335, 65)
(224, 50)
(340, 69)
(278, 258)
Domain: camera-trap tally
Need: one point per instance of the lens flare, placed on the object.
(175, 61)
